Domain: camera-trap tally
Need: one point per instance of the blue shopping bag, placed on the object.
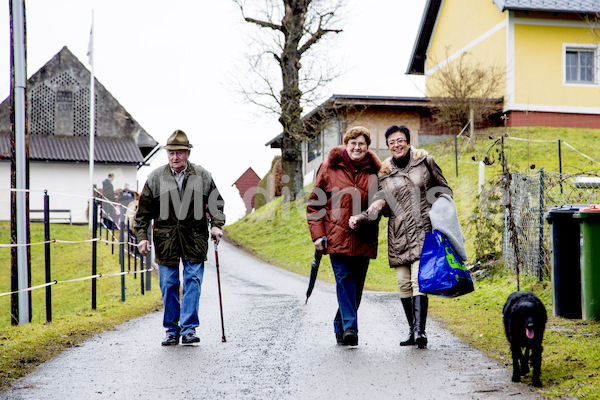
(442, 271)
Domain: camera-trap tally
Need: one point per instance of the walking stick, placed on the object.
(219, 285)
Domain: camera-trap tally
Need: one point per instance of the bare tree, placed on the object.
(463, 85)
(294, 28)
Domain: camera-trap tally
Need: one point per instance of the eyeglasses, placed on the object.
(395, 142)
(353, 143)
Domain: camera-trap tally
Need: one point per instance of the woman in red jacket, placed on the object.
(345, 183)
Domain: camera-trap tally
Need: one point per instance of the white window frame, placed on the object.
(581, 47)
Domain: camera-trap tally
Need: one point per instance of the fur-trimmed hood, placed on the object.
(336, 157)
(417, 156)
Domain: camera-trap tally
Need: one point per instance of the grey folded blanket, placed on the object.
(444, 218)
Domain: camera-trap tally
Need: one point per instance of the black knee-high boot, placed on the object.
(407, 304)
(420, 303)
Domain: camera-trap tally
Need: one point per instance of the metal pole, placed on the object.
(105, 219)
(92, 110)
(112, 239)
(541, 223)
(122, 258)
(99, 225)
(560, 166)
(142, 274)
(47, 256)
(456, 152)
(94, 250)
(149, 260)
(19, 69)
(128, 246)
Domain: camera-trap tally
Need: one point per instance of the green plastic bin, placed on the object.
(566, 269)
(589, 219)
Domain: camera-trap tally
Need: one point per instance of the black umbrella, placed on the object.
(314, 269)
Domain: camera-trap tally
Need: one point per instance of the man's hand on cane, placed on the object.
(143, 247)
(216, 234)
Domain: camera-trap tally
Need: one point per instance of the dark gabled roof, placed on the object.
(344, 100)
(568, 6)
(416, 65)
(59, 125)
(76, 149)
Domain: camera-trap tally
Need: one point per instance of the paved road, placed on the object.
(277, 348)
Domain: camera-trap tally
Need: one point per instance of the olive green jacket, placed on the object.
(180, 219)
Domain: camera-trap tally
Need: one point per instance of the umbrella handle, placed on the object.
(324, 244)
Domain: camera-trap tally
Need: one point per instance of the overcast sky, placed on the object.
(170, 64)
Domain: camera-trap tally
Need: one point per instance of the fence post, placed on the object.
(135, 255)
(99, 225)
(47, 255)
(94, 251)
(112, 240)
(560, 166)
(142, 274)
(122, 258)
(149, 260)
(128, 246)
(541, 222)
(456, 153)
(106, 227)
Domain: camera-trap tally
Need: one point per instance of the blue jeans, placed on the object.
(181, 319)
(350, 273)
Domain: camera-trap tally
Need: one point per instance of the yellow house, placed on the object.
(548, 51)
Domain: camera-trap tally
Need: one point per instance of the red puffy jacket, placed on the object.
(338, 194)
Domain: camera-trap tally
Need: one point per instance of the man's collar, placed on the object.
(173, 172)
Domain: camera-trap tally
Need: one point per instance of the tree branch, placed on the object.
(320, 32)
(264, 24)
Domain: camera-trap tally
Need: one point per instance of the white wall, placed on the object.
(67, 185)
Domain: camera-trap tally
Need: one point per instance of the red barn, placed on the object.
(249, 179)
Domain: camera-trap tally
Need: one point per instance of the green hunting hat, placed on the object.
(178, 141)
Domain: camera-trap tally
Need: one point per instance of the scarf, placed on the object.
(401, 163)
(355, 166)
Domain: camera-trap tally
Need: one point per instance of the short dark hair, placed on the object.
(395, 128)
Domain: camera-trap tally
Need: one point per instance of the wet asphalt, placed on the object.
(276, 348)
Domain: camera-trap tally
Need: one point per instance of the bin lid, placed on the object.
(589, 213)
(564, 211)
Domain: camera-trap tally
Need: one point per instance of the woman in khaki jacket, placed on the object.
(409, 183)
(344, 183)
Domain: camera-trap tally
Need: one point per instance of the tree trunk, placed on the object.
(291, 111)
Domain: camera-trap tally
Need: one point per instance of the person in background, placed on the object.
(108, 192)
(342, 187)
(409, 182)
(180, 197)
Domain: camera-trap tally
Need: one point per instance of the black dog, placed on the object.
(524, 322)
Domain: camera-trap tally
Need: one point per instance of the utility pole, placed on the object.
(19, 220)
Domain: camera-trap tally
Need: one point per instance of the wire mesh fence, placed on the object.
(527, 245)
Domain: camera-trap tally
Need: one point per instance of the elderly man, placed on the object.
(180, 197)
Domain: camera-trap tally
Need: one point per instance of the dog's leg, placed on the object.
(536, 363)
(516, 357)
(525, 361)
